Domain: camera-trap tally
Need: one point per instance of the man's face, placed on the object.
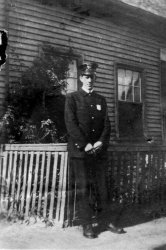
(87, 81)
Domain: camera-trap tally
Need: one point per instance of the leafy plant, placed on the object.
(35, 104)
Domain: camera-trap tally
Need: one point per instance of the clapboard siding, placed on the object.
(54, 18)
(49, 35)
(123, 50)
(75, 35)
(100, 25)
(95, 39)
(95, 52)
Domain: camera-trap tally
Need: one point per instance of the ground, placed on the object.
(149, 235)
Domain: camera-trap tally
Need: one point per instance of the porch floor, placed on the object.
(145, 236)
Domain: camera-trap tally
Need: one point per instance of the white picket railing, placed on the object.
(33, 179)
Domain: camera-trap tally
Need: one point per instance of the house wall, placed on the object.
(94, 39)
(3, 76)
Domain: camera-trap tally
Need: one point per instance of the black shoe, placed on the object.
(116, 230)
(88, 232)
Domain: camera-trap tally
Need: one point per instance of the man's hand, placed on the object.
(97, 145)
(88, 147)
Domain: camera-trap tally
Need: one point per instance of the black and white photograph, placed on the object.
(83, 124)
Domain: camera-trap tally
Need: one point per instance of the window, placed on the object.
(130, 111)
(72, 77)
(129, 86)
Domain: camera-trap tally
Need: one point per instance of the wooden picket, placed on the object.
(138, 174)
(35, 178)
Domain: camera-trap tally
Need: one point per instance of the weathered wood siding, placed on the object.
(3, 25)
(95, 39)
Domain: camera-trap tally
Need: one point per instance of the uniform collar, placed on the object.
(85, 92)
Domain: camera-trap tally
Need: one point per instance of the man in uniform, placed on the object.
(88, 127)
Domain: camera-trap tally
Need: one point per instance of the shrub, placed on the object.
(35, 104)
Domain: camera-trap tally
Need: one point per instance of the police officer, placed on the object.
(88, 127)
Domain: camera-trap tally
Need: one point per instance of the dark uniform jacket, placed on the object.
(86, 121)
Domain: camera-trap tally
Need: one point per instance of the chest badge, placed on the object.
(98, 107)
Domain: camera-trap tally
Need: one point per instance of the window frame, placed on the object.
(74, 59)
(74, 56)
(79, 60)
(133, 67)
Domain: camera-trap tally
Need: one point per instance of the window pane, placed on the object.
(72, 77)
(72, 85)
(130, 120)
(137, 94)
(72, 69)
(136, 79)
(121, 93)
(121, 76)
(127, 81)
(129, 94)
(128, 78)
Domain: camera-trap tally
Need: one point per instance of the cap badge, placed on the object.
(98, 107)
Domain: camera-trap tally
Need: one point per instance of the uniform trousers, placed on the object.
(88, 180)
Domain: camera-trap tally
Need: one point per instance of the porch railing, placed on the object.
(137, 174)
(34, 178)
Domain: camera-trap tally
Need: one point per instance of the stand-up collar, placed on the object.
(86, 92)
